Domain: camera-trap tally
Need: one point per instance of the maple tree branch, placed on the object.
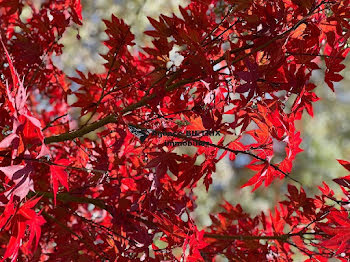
(280, 36)
(82, 131)
(305, 251)
(147, 99)
(226, 149)
(252, 237)
(223, 32)
(67, 197)
(310, 54)
(66, 228)
(116, 89)
(106, 81)
(219, 24)
(247, 237)
(53, 121)
(283, 237)
(164, 116)
(111, 118)
(108, 230)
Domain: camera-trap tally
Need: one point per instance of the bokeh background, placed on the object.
(326, 137)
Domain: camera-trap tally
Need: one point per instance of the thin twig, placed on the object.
(54, 120)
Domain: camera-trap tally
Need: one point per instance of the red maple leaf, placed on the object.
(59, 175)
(20, 175)
(343, 181)
(339, 228)
(18, 221)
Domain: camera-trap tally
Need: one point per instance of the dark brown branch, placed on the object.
(242, 237)
(250, 237)
(66, 197)
(310, 54)
(82, 131)
(147, 99)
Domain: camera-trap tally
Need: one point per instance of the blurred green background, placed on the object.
(326, 137)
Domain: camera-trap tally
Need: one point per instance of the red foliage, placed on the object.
(129, 190)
